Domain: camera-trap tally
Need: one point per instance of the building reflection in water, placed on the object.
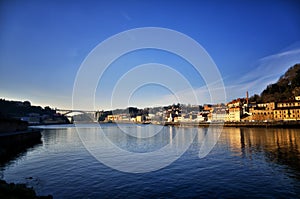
(280, 146)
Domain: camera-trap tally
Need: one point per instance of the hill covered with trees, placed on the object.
(16, 109)
(26, 112)
(286, 88)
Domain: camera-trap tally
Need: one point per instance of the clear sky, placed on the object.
(44, 42)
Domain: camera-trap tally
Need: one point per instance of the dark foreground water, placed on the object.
(248, 163)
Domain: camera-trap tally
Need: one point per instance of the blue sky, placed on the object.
(43, 44)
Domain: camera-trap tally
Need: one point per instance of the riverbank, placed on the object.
(247, 124)
(16, 191)
(15, 139)
(13, 143)
(12, 125)
(261, 124)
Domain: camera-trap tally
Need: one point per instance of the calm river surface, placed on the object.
(245, 162)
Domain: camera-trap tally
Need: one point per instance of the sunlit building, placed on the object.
(288, 110)
(262, 111)
(218, 113)
(235, 110)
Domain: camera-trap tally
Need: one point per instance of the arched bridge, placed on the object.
(85, 115)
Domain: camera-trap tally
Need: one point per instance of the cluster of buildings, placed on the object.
(241, 110)
(131, 114)
(235, 111)
(126, 118)
(287, 110)
(37, 118)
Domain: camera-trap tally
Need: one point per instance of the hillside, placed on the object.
(286, 88)
(29, 113)
(15, 109)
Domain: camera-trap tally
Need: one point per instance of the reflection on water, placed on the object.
(131, 152)
(252, 162)
(280, 146)
(14, 146)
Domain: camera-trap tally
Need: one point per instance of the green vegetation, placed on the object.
(32, 114)
(20, 109)
(286, 88)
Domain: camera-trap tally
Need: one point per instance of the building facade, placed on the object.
(289, 110)
(262, 111)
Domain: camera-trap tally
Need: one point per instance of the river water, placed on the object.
(245, 162)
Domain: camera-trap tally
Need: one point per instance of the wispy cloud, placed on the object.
(265, 71)
(282, 54)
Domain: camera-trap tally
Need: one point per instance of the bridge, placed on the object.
(86, 115)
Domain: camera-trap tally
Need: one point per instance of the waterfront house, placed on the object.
(236, 109)
(262, 111)
(288, 110)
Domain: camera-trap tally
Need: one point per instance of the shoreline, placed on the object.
(243, 124)
(27, 131)
(260, 124)
(279, 124)
(12, 190)
(14, 143)
(15, 139)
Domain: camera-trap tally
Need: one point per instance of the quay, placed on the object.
(260, 124)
